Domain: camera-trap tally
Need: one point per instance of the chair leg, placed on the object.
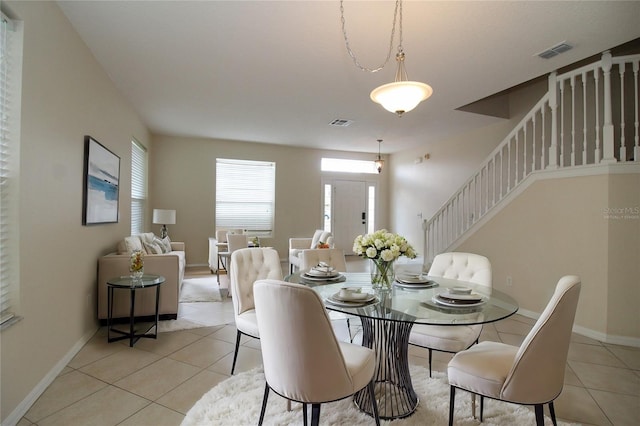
(552, 411)
(430, 358)
(473, 405)
(481, 408)
(452, 400)
(264, 404)
(235, 354)
(304, 413)
(539, 415)
(315, 414)
(349, 330)
(374, 403)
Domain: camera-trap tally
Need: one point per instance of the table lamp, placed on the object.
(164, 218)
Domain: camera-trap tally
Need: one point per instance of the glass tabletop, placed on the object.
(417, 304)
(129, 281)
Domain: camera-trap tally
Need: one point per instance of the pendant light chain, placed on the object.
(398, 8)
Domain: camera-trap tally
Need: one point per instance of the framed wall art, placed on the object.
(101, 184)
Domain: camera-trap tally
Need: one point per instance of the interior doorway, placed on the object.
(349, 210)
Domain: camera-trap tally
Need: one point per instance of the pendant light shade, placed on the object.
(402, 95)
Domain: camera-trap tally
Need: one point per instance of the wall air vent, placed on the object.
(555, 50)
(340, 122)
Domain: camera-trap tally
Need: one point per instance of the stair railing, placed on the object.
(588, 116)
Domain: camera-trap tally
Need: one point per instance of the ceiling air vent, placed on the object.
(340, 122)
(555, 50)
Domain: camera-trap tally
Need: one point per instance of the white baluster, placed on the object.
(584, 118)
(516, 160)
(561, 115)
(553, 105)
(596, 80)
(543, 151)
(623, 147)
(533, 142)
(524, 151)
(607, 128)
(636, 148)
(573, 120)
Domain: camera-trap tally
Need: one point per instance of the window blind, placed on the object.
(138, 187)
(245, 195)
(8, 174)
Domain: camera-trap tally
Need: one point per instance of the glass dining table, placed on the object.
(387, 320)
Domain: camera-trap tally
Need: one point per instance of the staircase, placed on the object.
(588, 117)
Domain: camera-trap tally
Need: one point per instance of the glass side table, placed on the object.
(132, 284)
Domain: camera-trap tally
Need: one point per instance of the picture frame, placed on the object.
(101, 190)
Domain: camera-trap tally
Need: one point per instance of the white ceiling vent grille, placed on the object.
(340, 122)
(555, 50)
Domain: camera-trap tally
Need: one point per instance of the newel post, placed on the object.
(553, 104)
(608, 155)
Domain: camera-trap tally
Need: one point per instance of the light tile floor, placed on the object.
(157, 381)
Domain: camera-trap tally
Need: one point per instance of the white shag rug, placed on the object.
(203, 289)
(237, 401)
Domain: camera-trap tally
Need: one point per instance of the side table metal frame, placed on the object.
(131, 334)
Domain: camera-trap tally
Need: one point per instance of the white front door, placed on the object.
(349, 206)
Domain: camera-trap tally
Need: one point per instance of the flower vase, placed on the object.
(382, 275)
(136, 265)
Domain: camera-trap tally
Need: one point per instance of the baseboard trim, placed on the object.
(592, 334)
(22, 408)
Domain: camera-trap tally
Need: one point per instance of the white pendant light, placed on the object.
(402, 95)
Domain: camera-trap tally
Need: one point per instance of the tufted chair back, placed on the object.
(469, 267)
(247, 266)
(332, 257)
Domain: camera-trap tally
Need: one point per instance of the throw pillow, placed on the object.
(164, 243)
(147, 237)
(152, 248)
(132, 244)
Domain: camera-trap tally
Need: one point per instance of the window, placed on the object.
(138, 187)
(10, 83)
(348, 166)
(245, 195)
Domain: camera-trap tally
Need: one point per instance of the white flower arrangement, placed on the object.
(383, 245)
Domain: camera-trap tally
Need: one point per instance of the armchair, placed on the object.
(296, 245)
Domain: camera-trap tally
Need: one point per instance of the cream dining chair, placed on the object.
(532, 374)
(470, 267)
(302, 359)
(248, 265)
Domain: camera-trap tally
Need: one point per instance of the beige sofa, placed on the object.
(170, 265)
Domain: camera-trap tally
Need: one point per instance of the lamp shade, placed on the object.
(401, 96)
(164, 217)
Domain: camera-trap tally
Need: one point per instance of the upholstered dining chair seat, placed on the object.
(446, 338)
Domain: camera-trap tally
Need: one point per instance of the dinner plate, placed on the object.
(426, 284)
(456, 303)
(460, 298)
(412, 279)
(325, 274)
(330, 300)
(354, 297)
(335, 279)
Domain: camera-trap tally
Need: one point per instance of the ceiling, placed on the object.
(278, 71)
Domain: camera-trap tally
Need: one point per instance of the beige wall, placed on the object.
(182, 177)
(559, 227)
(65, 96)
